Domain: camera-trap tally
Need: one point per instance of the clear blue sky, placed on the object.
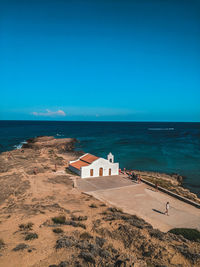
(100, 60)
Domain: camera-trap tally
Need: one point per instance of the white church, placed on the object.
(89, 165)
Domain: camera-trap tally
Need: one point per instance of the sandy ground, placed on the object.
(50, 195)
(34, 190)
(143, 201)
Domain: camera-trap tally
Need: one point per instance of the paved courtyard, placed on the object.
(142, 200)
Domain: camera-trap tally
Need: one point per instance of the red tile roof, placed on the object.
(78, 164)
(84, 161)
(89, 158)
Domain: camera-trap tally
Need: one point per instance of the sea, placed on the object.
(168, 147)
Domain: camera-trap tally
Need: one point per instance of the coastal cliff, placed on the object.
(44, 221)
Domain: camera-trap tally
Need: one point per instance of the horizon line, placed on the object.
(103, 121)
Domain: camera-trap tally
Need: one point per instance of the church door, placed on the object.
(109, 171)
(100, 171)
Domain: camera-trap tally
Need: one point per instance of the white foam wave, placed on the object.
(161, 129)
(20, 145)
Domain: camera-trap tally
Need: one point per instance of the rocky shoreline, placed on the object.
(44, 221)
(173, 183)
(61, 144)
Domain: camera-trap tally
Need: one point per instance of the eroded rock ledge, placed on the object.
(61, 144)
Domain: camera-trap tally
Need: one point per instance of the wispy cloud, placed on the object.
(49, 113)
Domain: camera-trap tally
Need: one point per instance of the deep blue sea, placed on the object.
(155, 146)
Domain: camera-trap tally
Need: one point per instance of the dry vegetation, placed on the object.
(47, 222)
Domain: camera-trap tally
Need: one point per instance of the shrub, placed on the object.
(111, 249)
(100, 241)
(113, 209)
(79, 218)
(103, 205)
(103, 213)
(2, 244)
(78, 224)
(85, 235)
(88, 257)
(21, 246)
(156, 233)
(26, 226)
(94, 206)
(188, 233)
(75, 224)
(58, 230)
(81, 225)
(65, 242)
(59, 220)
(31, 236)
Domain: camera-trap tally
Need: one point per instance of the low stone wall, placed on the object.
(186, 200)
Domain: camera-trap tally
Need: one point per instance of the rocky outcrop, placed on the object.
(173, 183)
(61, 144)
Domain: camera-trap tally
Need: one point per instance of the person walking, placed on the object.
(167, 209)
(156, 186)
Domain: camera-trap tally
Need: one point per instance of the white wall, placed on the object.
(100, 163)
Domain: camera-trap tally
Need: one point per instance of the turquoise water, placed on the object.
(154, 146)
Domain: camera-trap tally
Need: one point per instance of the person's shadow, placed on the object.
(158, 211)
